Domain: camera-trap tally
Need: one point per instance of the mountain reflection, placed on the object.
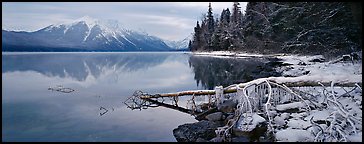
(79, 66)
(212, 71)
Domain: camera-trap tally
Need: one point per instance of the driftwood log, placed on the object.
(242, 85)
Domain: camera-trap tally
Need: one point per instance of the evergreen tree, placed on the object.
(196, 38)
(235, 28)
(190, 45)
(210, 20)
(236, 15)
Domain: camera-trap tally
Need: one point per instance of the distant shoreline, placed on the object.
(10, 52)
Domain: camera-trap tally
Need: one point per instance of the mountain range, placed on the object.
(85, 34)
(181, 44)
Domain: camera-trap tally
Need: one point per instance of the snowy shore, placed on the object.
(305, 67)
(334, 113)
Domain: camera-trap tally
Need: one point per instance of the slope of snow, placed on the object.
(89, 34)
(181, 44)
(89, 21)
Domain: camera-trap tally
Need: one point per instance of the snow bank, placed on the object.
(227, 54)
(332, 110)
(324, 71)
(303, 69)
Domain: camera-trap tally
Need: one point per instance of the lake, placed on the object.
(95, 111)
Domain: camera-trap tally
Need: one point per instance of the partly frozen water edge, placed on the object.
(304, 67)
(297, 125)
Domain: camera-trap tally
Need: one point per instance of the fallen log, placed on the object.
(288, 81)
(181, 109)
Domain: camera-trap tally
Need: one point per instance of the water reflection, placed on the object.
(101, 82)
(212, 71)
(79, 66)
(94, 110)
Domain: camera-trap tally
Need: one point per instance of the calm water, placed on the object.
(31, 112)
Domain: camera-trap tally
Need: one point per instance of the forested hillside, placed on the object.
(328, 28)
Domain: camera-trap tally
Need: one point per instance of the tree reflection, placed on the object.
(212, 71)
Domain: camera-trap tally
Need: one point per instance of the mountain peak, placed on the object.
(86, 18)
(89, 33)
(89, 21)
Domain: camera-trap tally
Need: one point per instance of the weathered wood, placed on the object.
(184, 93)
(181, 109)
(242, 85)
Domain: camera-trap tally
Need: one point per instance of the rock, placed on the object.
(217, 116)
(202, 116)
(254, 135)
(192, 131)
(228, 118)
(203, 106)
(298, 124)
(294, 135)
(301, 63)
(306, 72)
(317, 60)
(201, 140)
(277, 64)
(279, 120)
(227, 106)
(248, 122)
(291, 107)
(216, 139)
(355, 56)
(346, 58)
(240, 139)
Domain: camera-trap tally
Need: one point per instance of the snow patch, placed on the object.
(294, 135)
(298, 124)
(249, 122)
(293, 105)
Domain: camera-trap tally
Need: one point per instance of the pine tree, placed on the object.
(236, 15)
(190, 45)
(196, 38)
(236, 28)
(210, 20)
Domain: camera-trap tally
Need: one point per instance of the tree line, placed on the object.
(331, 28)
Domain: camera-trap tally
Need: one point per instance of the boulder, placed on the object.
(320, 59)
(202, 130)
(216, 139)
(217, 116)
(240, 139)
(228, 106)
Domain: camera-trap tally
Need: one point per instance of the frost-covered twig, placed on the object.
(266, 106)
(290, 91)
(358, 86)
(247, 99)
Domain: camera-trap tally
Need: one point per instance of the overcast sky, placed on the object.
(167, 20)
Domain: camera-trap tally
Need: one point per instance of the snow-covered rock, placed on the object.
(294, 135)
(249, 122)
(294, 105)
(298, 124)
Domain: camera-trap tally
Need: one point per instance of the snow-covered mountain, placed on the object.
(83, 34)
(179, 45)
